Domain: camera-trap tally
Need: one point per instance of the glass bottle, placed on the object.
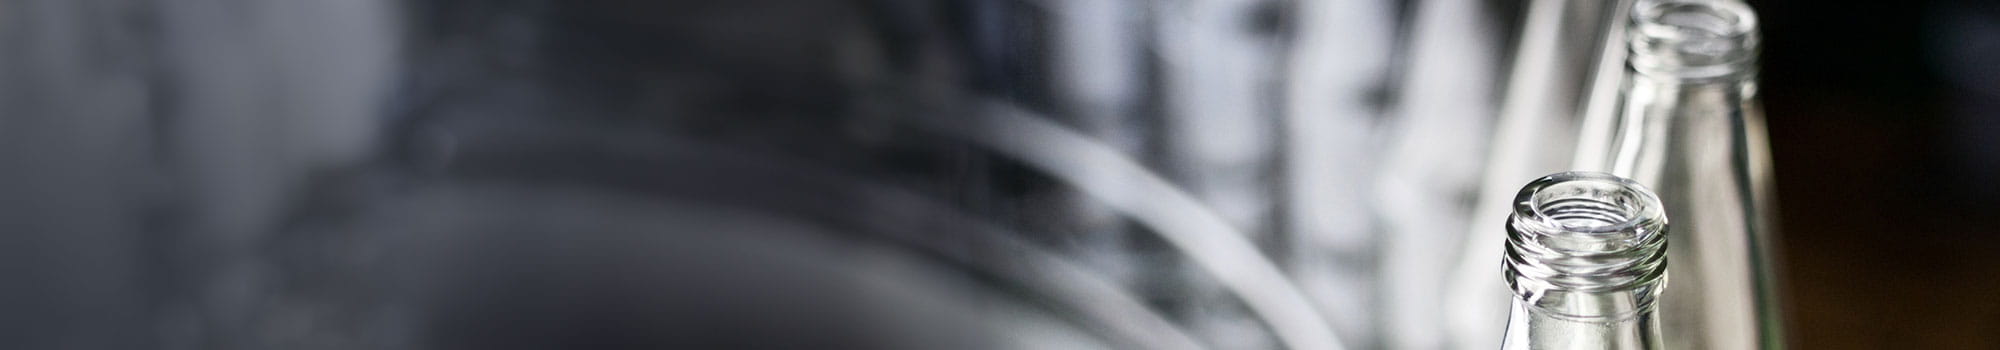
(1586, 260)
(1689, 126)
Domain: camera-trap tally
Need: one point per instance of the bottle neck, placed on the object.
(1586, 260)
(1691, 77)
(1532, 329)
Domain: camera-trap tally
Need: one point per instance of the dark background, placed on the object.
(1883, 116)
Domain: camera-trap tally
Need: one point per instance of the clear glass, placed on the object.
(1586, 261)
(1690, 127)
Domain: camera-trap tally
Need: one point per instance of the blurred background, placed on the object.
(923, 174)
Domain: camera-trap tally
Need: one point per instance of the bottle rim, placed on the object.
(1693, 39)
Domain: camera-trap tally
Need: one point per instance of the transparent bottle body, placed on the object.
(1585, 259)
(1690, 127)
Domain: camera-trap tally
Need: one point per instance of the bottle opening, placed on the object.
(1587, 202)
(1698, 20)
(1693, 37)
(1585, 205)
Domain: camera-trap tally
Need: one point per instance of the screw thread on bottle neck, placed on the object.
(1586, 246)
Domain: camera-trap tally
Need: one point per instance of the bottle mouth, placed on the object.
(1587, 204)
(1586, 245)
(1693, 38)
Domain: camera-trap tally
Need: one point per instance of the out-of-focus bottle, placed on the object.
(1690, 127)
(1586, 260)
